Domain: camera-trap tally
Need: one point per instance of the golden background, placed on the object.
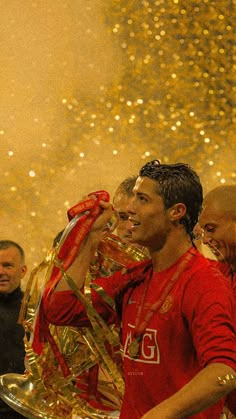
(92, 89)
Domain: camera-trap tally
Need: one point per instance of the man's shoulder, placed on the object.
(224, 268)
(206, 271)
(133, 273)
(201, 270)
(139, 266)
(201, 262)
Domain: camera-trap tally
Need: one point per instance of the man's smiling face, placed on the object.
(150, 221)
(12, 269)
(219, 232)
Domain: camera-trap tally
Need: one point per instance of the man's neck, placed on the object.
(170, 253)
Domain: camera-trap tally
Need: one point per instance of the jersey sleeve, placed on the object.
(65, 308)
(209, 308)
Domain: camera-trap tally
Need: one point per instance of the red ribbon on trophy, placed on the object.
(82, 216)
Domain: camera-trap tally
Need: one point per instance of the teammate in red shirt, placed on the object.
(218, 222)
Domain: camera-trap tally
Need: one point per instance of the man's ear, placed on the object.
(177, 211)
(23, 271)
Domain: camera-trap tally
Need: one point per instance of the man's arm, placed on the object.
(200, 393)
(79, 268)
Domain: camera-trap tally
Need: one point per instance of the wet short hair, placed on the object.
(5, 244)
(177, 183)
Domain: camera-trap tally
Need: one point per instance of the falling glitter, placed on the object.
(92, 90)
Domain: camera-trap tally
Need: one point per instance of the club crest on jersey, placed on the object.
(166, 306)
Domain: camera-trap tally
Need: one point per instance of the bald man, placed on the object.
(218, 221)
(12, 271)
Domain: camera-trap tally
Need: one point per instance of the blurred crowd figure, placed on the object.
(121, 200)
(12, 271)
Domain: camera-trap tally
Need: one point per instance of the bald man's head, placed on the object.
(218, 221)
(223, 198)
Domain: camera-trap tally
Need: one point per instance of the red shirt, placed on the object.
(193, 328)
(227, 272)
